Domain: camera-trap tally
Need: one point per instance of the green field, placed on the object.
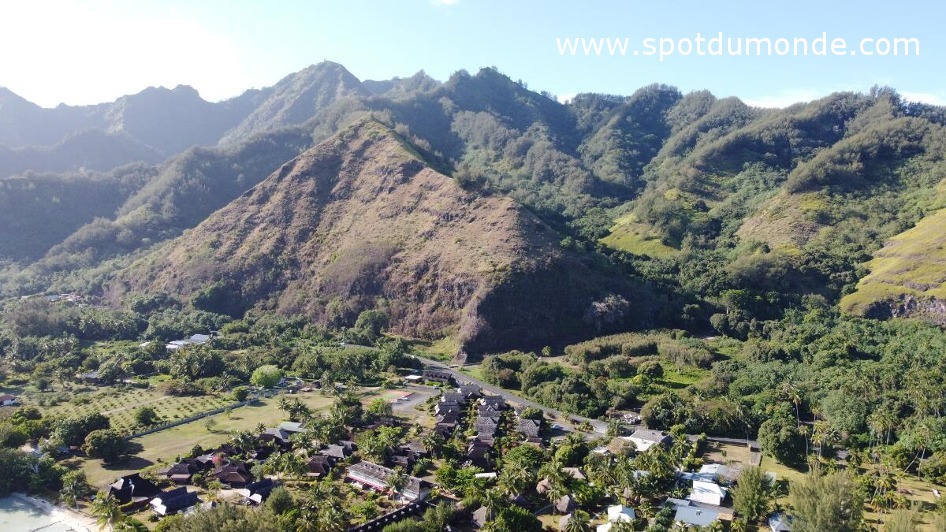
(120, 405)
(911, 263)
(167, 445)
(637, 238)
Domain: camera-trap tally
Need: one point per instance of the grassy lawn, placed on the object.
(120, 405)
(679, 377)
(637, 238)
(165, 446)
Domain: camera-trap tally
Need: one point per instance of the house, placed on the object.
(340, 450)
(494, 401)
(376, 477)
(8, 400)
(174, 501)
(529, 428)
(415, 448)
(413, 379)
(320, 466)
(719, 473)
(574, 472)
(478, 453)
(405, 460)
(565, 505)
(780, 522)
(445, 429)
(291, 427)
(695, 516)
(182, 472)
(486, 425)
(278, 436)
(447, 409)
(644, 439)
(257, 492)
(235, 475)
(133, 488)
(707, 493)
(470, 391)
(620, 514)
(438, 375)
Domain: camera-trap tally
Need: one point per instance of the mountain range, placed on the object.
(478, 209)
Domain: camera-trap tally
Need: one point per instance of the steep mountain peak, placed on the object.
(360, 221)
(297, 98)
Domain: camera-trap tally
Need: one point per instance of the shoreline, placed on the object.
(67, 516)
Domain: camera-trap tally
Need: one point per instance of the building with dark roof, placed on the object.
(132, 488)
(174, 501)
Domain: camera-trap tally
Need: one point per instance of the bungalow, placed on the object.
(291, 427)
(340, 450)
(183, 471)
(529, 428)
(320, 466)
(438, 375)
(8, 400)
(495, 401)
(695, 516)
(487, 425)
(478, 452)
(376, 477)
(707, 493)
(235, 475)
(445, 428)
(470, 391)
(257, 492)
(174, 501)
(447, 409)
(133, 488)
(415, 448)
(719, 473)
(278, 436)
(644, 439)
(620, 514)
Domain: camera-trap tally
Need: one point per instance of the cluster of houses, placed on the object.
(457, 406)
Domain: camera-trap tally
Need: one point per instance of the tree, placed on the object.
(779, 436)
(578, 521)
(106, 444)
(380, 407)
(74, 487)
(280, 501)
(266, 376)
(106, 511)
(752, 495)
(516, 518)
(146, 416)
(826, 502)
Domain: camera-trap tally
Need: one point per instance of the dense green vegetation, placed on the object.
(786, 264)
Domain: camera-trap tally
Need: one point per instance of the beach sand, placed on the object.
(60, 514)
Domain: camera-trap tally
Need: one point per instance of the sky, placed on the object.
(91, 51)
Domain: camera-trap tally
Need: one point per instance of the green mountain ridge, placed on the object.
(695, 195)
(360, 222)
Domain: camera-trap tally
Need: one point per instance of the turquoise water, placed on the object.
(19, 516)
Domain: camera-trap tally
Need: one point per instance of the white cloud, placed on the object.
(784, 98)
(69, 52)
(924, 97)
(565, 98)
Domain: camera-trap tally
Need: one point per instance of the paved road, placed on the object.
(599, 426)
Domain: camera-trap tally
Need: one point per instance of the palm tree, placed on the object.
(493, 501)
(578, 521)
(105, 510)
(396, 480)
